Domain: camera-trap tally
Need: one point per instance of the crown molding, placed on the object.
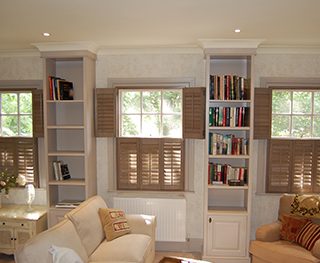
(66, 46)
(288, 49)
(229, 43)
(20, 53)
(181, 49)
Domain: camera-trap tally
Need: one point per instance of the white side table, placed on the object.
(17, 225)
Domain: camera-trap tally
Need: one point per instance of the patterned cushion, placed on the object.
(114, 223)
(306, 205)
(291, 226)
(308, 235)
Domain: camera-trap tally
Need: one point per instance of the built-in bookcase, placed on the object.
(69, 127)
(229, 141)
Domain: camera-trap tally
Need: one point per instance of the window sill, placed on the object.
(150, 194)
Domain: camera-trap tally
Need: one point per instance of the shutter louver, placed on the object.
(127, 163)
(150, 164)
(279, 169)
(316, 167)
(262, 113)
(302, 166)
(173, 154)
(8, 155)
(194, 113)
(19, 156)
(37, 113)
(27, 151)
(105, 112)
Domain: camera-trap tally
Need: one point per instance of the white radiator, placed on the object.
(170, 213)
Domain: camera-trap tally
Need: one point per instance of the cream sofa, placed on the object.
(268, 248)
(81, 231)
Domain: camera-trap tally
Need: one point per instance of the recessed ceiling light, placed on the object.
(237, 30)
(46, 34)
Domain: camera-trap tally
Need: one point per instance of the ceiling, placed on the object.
(158, 23)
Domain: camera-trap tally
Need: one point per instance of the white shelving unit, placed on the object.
(227, 208)
(69, 129)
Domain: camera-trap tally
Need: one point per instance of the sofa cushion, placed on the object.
(127, 248)
(308, 235)
(114, 223)
(281, 251)
(306, 205)
(36, 250)
(291, 226)
(87, 222)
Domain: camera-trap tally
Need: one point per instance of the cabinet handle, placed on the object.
(210, 219)
(3, 223)
(22, 224)
(15, 239)
(11, 238)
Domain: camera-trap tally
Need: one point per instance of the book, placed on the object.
(57, 170)
(65, 174)
(66, 90)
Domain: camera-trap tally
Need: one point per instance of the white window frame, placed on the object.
(292, 114)
(141, 113)
(18, 114)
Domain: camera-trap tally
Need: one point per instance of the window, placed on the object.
(292, 117)
(150, 149)
(20, 123)
(295, 113)
(151, 113)
(16, 114)
(151, 125)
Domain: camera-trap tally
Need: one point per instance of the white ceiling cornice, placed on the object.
(229, 43)
(188, 49)
(66, 46)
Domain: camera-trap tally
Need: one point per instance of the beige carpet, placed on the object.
(159, 255)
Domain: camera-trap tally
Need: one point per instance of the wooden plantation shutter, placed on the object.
(173, 164)
(127, 163)
(262, 113)
(316, 167)
(20, 156)
(37, 113)
(279, 169)
(150, 164)
(105, 113)
(302, 152)
(194, 113)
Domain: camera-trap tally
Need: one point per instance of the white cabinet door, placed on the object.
(226, 235)
(6, 238)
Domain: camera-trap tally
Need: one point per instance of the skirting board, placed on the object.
(191, 245)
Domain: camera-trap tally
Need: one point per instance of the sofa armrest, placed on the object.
(142, 224)
(269, 232)
(316, 249)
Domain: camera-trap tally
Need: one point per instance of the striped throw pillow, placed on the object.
(308, 235)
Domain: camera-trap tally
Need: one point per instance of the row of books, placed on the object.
(228, 87)
(226, 174)
(229, 116)
(60, 171)
(227, 144)
(60, 89)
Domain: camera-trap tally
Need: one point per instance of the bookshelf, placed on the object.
(69, 129)
(229, 141)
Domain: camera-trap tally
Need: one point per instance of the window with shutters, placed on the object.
(292, 117)
(150, 148)
(18, 143)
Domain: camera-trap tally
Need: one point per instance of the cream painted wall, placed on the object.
(24, 67)
(151, 65)
(265, 206)
(171, 65)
